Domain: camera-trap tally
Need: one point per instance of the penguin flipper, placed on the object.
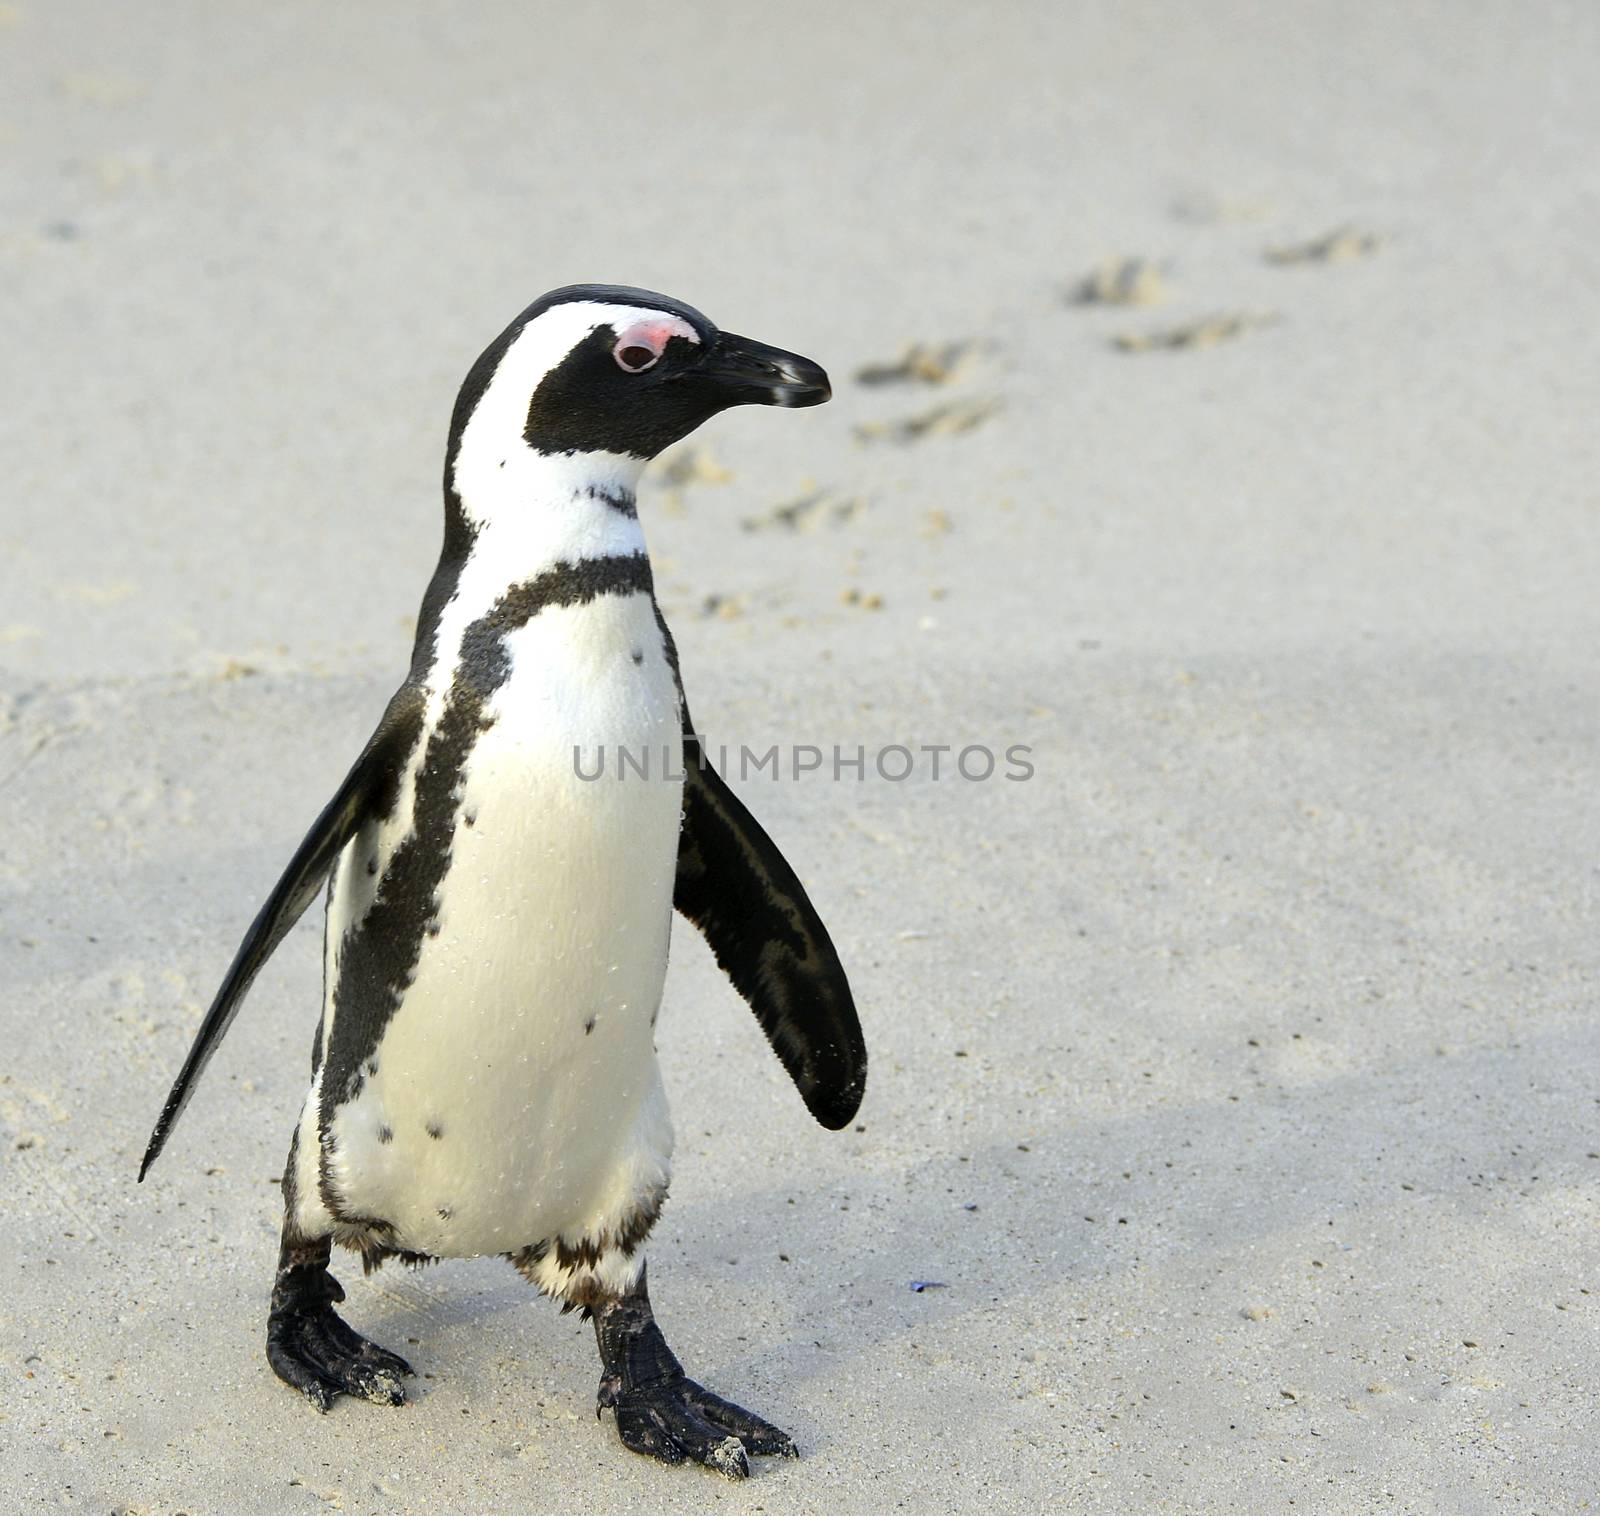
(368, 789)
(739, 890)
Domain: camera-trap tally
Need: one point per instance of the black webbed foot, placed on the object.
(660, 1411)
(674, 1420)
(312, 1350)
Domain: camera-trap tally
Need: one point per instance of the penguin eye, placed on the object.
(634, 357)
(643, 345)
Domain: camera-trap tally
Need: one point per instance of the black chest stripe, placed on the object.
(379, 954)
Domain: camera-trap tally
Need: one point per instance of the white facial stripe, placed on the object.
(540, 347)
(495, 467)
(532, 510)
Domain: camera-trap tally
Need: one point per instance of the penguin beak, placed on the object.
(745, 372)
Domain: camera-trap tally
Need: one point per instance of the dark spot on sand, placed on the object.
(638, 655)
(385, 1134)
(588, 1026)
(372, 866)
(434, 1130)
(445, 1213)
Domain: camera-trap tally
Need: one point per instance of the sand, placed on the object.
(1234, 1077)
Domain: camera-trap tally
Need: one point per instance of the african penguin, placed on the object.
(484, 1076)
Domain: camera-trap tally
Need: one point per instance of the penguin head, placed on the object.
(606, 369)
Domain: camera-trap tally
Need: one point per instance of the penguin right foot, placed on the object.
(312, 1350)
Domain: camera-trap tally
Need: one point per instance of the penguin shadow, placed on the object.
(804, 1282)
(1210, 1178)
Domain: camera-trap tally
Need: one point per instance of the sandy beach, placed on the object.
(1214, 416)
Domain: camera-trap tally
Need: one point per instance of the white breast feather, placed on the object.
(525, 1040)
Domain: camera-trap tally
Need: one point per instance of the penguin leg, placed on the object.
(309, 1347)
(659, 1409)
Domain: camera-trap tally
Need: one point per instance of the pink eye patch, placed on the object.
(642, 344)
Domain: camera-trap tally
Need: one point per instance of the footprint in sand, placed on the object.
(947, 420)
(721, 607)
(818, 508)
(928, 364)
(1121, 281)
(1133, 281)
(691, 465)
(921, 363)
(865, 602)
(1345, 244)
(682, 467)
(1208, 331)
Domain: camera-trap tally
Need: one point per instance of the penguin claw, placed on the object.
(313, 1351)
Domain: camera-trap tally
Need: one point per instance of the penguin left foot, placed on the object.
(675, 1420)
(662, 1412)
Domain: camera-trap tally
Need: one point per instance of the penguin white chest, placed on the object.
(514, 1092)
